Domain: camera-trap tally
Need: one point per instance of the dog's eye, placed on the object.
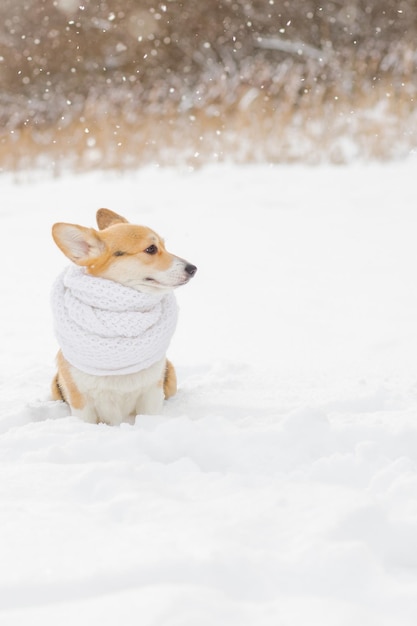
(151, 250)
(119, 253)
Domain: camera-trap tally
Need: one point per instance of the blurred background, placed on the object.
(122, 83)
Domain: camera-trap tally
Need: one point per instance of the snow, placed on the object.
(280, 485)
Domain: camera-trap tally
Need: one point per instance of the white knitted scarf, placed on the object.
(104, 328)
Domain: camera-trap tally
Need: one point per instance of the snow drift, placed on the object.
(280, 484)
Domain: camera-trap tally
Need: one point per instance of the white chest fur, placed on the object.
(120, 398)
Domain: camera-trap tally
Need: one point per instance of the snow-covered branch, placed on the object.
(292, 47)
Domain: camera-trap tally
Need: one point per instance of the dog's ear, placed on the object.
(106, 218)
(81, 245)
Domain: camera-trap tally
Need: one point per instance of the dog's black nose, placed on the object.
(190, 269)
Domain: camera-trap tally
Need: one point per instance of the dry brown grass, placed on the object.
(335, 131)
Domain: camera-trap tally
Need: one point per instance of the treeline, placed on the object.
(62, 60)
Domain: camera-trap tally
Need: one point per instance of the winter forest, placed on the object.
(118, 83)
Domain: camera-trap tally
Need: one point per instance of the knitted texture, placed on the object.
(104, 328)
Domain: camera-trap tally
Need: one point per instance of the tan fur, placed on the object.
(65, 385)
(120, 237)
(106, 218)
(119, 251)
(56, 393)
(170, 381)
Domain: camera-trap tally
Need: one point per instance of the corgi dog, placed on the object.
(114, 314)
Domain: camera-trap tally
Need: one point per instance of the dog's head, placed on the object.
(134, 256)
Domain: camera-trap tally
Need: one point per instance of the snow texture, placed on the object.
(280, 484)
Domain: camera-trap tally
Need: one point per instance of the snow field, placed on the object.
(280, 484)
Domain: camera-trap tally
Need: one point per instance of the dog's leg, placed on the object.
(56, 391)
(65, 388)
(170, 381)
(151, 400)
(87, 414)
